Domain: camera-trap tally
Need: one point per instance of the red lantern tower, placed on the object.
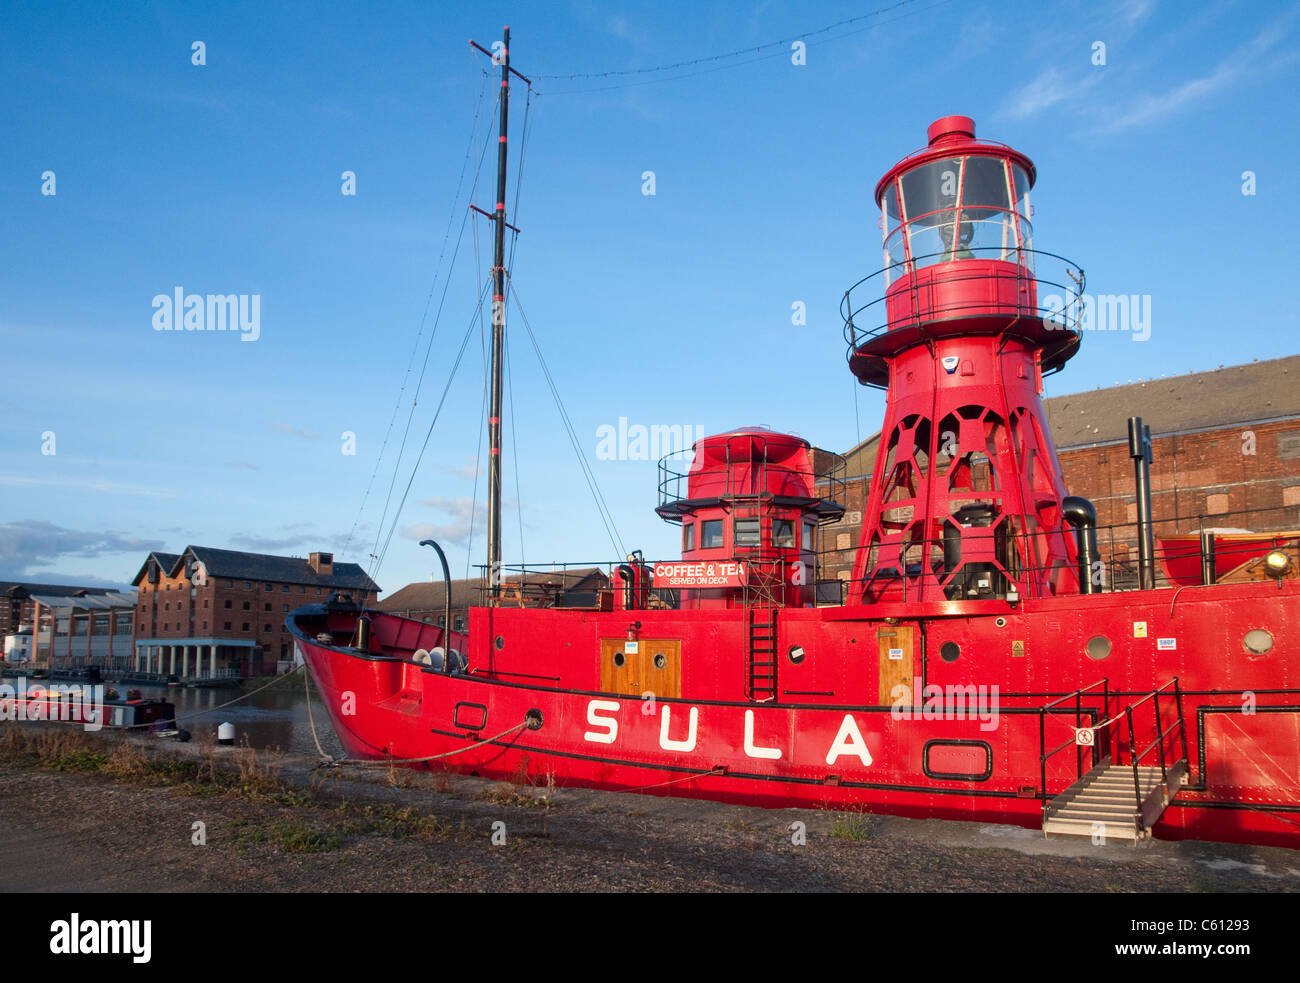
(961, 324)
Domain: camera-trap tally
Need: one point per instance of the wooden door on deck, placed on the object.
(896, 661)
(646, 665)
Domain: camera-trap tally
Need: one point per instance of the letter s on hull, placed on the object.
(594, 718)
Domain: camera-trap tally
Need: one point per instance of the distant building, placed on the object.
(211, 613)
(1225, 454)
(426, 601)
(18, 646)
(75, 631)
(17, 608)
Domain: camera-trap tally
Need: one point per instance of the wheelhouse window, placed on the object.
(783, 534)
(711, 534)
(809, 542)
(688, 537)
(748, 532)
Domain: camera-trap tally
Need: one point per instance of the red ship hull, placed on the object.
(981, 737)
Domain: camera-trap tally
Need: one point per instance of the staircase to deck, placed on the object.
(1115, 799)
(1112, 803)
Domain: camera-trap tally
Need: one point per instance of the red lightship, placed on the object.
(979, 666)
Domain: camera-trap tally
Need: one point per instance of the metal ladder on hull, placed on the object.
(1116, 800)
(760, 653)
(761, 598)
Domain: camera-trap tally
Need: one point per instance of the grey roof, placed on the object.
(64, 590)
(280, 569)
(1223, 397)
(97, 602)
(430, 595)
(165, 563)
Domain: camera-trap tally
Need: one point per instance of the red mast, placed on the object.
(966, 499)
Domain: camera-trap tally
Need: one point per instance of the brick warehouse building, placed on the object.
(208, 614)
(1225, 455)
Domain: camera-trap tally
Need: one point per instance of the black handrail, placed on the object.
(1044, 755)
(1024, 259)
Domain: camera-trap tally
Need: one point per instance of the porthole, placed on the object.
(796, 654)
(500, 643)
(1258, 641)
(949, 651)
(1001, 622)
(661, 660)
(619, 659)
(1098, 647)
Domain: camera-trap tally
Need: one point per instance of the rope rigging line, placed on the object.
(724, 56)
(326, 759)
(442, 400)
(482, 417)
(451, 217)
(188, 716)
(602, 508)
(514, 454)
(428, 350)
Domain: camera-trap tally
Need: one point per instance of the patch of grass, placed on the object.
(81, 759)
(853, 826)
(291, 835)
(254, 775)
(392, 822)
(511, 795)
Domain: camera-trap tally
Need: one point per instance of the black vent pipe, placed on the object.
(1082, 515)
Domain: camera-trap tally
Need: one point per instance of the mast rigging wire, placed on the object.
(602, 508)
(432, 335)
(451, 217)
(723, 56)
(460, 354)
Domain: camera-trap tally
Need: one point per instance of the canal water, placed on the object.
(275, 718)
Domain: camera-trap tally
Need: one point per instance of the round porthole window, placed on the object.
(661, 660)
(949, 651)
(619, 659)
(1001, 622)
(500, 643)
(1098, 647)
(796, 654)
(1258, 641)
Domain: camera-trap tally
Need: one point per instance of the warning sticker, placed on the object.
(1139, 629)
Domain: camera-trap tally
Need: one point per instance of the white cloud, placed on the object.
(33, 542)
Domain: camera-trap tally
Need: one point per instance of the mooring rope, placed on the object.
(333, 762)
(188, 716)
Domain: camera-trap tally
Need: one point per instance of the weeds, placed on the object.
(854, 826)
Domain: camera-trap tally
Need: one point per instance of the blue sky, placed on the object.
(671, 309)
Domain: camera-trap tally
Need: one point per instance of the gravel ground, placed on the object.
(84, 829)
